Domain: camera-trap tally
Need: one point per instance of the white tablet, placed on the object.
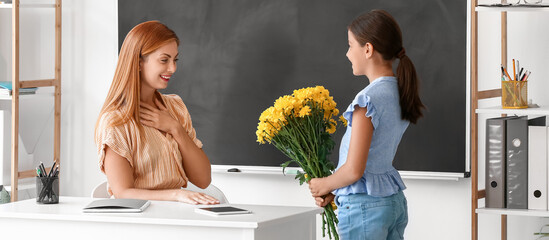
(221, 210)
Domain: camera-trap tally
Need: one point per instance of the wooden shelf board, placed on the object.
(29, 5)
(543, 110)
(514, 212)
(545, 8)
(24, 96)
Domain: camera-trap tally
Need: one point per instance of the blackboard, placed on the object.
(238, 56)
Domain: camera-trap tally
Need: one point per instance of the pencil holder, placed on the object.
(47, 190)
(514, 94)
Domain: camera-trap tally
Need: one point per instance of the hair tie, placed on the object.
(401, 53)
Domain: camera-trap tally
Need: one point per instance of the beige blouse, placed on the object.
(156, 162)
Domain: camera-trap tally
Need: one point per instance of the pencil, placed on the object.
(52, 168)
(518, 72)
(514, 71)
(502, 74)
(527, 76)
(510, 79)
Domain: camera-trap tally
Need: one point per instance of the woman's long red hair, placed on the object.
(125, 91)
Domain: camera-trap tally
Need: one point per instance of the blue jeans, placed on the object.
(366, 217)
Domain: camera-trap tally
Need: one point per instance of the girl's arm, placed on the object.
(195, 162)
(353, 169)
(121, 181)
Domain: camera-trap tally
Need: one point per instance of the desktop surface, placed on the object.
(172, 218)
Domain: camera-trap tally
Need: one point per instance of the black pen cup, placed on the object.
(47, 190)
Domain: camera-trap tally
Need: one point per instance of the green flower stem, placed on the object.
(301, 135)
(323, 225)
(329, 226)
(332, 221)
(299, 143)
(316, 130)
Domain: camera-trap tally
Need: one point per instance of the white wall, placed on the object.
(438, 209)
(90, 51)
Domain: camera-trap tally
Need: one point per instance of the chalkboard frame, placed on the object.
(130, 15)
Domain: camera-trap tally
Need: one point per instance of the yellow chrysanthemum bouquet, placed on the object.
(300, 125)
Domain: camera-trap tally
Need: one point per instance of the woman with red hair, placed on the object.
(146, 142)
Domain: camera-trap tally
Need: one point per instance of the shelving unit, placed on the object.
(511, 9)
(17, 84)
(543, 110)
(514, 212)
(475, 96)
(9, 98)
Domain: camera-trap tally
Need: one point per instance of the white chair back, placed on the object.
(211, 190)
(100, 191)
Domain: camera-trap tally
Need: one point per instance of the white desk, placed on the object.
(161, 220)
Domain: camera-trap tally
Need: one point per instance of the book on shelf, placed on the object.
(6, 89)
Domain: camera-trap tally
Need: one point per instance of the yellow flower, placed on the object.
(267, 114)
(285, 104)
(334, 206)
(331, 128)
(303, 102)
(304, 93)
(305, 111)
(343, 120)
(260, 136)
(263, 131)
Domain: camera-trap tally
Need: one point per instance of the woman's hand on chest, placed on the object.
(158, 117)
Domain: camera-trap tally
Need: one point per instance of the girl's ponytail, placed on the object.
(410, 103)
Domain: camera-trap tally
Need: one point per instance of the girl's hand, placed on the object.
(319, 187)
(158, 118)
(323, 201)
(191, 197)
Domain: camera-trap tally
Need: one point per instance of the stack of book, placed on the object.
(6, 89)
(517, 168)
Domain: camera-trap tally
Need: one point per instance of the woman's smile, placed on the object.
(166, 77)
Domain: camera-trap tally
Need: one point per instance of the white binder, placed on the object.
(538, 167)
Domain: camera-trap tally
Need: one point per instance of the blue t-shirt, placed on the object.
(380, 178)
